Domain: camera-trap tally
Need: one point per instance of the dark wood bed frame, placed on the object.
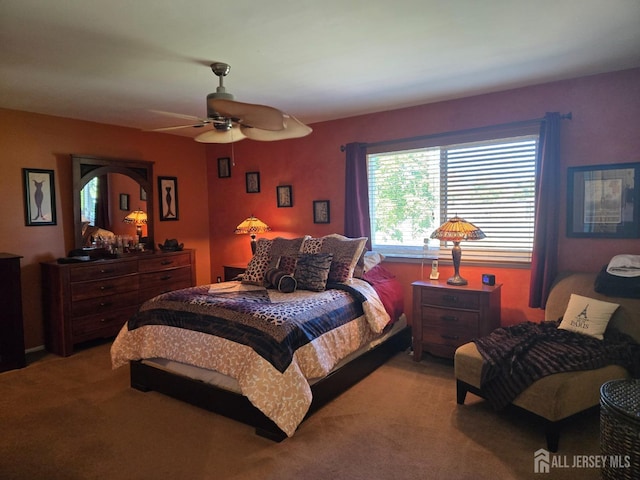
(145, 377)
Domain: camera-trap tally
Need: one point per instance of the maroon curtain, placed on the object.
(102, 203)
(356, 208)
(544, 260)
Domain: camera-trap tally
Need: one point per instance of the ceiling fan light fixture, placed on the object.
(221, 136)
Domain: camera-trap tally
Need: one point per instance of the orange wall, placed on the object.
(604, 129)
(606, 116)
(39, 141)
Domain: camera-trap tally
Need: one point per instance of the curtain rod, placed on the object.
(565, 116)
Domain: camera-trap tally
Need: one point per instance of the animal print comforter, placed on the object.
(270, 342)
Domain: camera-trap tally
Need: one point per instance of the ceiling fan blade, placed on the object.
(294, 128)
(219, 136)
(248, 114)
(176, 127)
(177, 115)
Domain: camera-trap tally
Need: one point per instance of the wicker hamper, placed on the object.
(620, 428)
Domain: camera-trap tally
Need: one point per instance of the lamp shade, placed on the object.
(251, 226)
(455, 230)
(137, 217)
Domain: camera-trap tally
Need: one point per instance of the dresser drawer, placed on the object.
(152, 284)
(104, 304)
(434, 317)
(162, 262)
(100, 325)
(103, 287)
(452, 299)
(97, 270)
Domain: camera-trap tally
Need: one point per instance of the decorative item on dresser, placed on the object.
(88, 300)
(447, 316)
(11, 327)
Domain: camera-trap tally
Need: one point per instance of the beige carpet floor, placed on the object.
(76, 418)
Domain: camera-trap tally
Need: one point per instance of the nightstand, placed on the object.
(232, 271)
(446, 316)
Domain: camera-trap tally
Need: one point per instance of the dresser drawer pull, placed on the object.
(107, 270)
(166, 277)
(105, 320)
(105, 304)
(106, 287)
(166, 262)
(450, 337)
(449, 318)
(450, 298)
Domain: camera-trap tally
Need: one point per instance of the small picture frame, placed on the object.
(143, 194)
(124, 201)
(253, 182)
(224, 167)
(168, 195)
(603, 201)
(284, 196)
(321, 211)
(39, 197)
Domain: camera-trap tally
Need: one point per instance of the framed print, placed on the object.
(603, 202)
(321, 211)
(39, 197)
(143, 194)
(284, 196)
(168, 195)
(124, 201)
(224, 167)
(253, 182)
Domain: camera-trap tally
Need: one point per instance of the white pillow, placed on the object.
(587, 315)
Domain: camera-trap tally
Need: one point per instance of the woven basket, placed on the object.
(620, 428)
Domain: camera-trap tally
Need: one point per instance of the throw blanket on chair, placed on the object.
(516, 356)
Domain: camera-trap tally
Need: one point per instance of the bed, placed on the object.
(264, 353)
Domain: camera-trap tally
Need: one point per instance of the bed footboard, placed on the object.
(145, 377)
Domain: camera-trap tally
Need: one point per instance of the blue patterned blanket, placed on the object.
(274, 329)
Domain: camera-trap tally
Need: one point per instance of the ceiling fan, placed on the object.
(233, 121)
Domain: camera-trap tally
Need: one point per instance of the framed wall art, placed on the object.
(39, 197)
(284, 196)
(253, 182)
(224, 167)
(603, 201)
(124, 201)
(321, 213)
(168, 195)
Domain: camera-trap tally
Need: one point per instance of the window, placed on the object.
(488, 182)
(89, 201)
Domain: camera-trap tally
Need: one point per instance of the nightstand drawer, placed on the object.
(433, 317)
(451, 336)
(451, 299)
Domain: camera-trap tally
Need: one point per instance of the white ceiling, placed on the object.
(115, 61)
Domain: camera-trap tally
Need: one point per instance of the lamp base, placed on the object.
(457, 280)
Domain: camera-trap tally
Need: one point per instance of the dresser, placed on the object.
(89, 300)
(11, 327)
(447, 316)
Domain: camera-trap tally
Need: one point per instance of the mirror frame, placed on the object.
(86, 167)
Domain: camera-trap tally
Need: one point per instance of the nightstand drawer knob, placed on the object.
(450, 298)
(449, 318)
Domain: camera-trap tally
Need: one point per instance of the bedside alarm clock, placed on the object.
(488, 279)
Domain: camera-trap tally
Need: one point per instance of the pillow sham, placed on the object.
(280, 280)
(587, 316)
(312, 271)
(254, 275)
(346, 252)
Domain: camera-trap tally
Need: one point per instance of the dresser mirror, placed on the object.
(105, 192)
